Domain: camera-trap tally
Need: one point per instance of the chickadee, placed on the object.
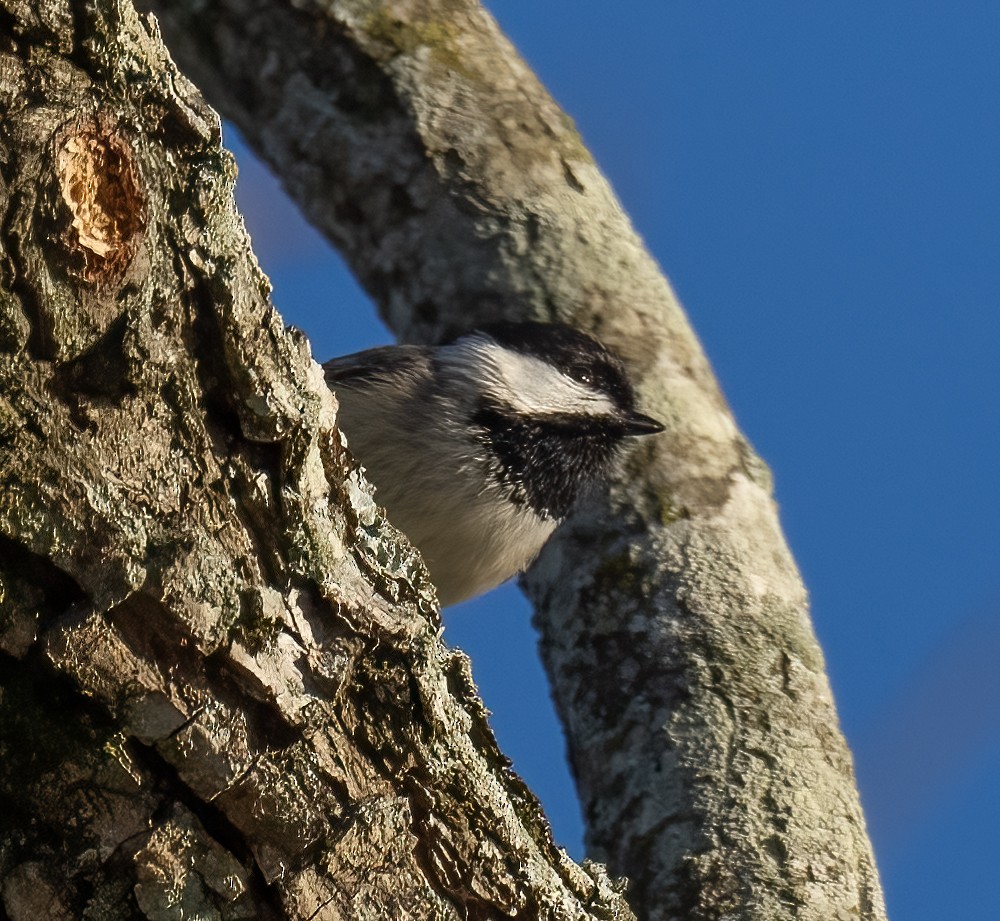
(479, 448)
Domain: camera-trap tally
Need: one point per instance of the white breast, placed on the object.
(437, 488)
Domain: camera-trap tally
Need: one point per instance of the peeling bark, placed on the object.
(223, 692)
(675, 627)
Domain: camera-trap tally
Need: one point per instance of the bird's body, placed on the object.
(478, 449)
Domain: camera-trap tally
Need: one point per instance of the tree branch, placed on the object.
(222, 688)
(674, 624)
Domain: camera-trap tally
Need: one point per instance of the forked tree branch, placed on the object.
(675, 627)
(222, 688)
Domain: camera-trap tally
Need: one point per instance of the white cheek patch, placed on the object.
(534, 388)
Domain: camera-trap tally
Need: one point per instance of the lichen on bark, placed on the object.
(223, 691)
(675, 627)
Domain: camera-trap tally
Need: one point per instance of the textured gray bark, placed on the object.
(674, 624)
(222, 689)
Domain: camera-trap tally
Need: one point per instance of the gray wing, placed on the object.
(379, 365)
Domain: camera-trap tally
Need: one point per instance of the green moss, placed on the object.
(255, 628)
(440, 38)
(669, 512)
(445, 43)
(615, 576)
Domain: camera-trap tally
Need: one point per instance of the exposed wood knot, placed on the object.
(99, 184)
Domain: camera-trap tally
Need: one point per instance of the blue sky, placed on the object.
(820, 183)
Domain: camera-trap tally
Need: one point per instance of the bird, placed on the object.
(480, 447)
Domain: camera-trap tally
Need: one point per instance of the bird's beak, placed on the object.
(638, 424)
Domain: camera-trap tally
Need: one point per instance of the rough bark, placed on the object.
(675, 627)
(222, 688)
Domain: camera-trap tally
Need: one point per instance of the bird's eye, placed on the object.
(581, 374)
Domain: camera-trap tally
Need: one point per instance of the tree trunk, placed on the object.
(675, 627)
(222, 688)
